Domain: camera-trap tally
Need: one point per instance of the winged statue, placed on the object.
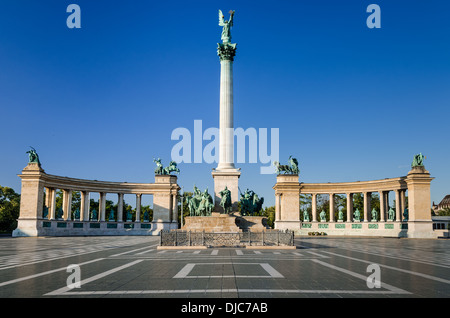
(226, 34)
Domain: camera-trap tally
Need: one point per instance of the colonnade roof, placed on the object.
(163, 183)
(388, 184)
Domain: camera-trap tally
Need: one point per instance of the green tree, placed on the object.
(146, 208)
(269, 213)
(444, 212)
(9, 209)
(76, 201)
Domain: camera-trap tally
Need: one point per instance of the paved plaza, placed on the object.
(127, 266)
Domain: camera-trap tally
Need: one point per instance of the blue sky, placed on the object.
(100, 102)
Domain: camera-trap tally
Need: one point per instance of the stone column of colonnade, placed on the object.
(50, 203)
(138, 207)
(119, 207)
(349, 207)
(367, 217)
(314, 207)
(84, 205)
(67, 205)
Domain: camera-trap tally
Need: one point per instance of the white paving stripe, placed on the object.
(93, 278)
(442, 280)
(145, 252)
(346, 271)
(184, 272)
(229, 290)
(45, 273)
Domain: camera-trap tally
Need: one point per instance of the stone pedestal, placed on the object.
(226, 178)
(31, 202)
(420, 224)
(229, 223)
(252, 223)
(215, 223)
(164, 203)
(287, 205)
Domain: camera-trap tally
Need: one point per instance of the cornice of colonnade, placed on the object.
(287, 183)
(163, 183)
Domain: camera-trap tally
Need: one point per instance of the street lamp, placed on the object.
(182, 197)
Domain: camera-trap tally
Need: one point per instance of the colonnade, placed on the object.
(417, 222)
(84, 211)
(400, 205)
(35, 182)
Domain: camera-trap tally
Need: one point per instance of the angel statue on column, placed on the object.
(226, 34)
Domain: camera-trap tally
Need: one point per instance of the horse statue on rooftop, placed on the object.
(291, 168)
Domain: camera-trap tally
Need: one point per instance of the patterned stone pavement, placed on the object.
(134, 267)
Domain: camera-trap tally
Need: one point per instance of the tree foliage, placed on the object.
(9, 209)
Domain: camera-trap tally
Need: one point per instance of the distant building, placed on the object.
(445, 203)
(441, 223)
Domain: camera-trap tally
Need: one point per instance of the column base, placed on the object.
(420, 229)
(288, 225)
(27, 228)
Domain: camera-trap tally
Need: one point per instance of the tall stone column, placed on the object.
(349, 207)
(102, 206)
(382, 205)
(138, 207)
(367, 197)
(84, 206)
(120, 207)
(314, 207)
(398, 206)
(175, 208)
(403, 203)
(226, 174)
(48, 199)
(331, 207)
(52, 209)
(67, 204)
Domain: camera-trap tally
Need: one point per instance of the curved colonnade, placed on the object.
(416, 222)
(33, 221)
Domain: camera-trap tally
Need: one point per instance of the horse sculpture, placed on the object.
(172, 167)
(160, 170)
(200, 204)
(159, 167)
(291, 168)
(251, 204)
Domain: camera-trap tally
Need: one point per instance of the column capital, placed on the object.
(226, 51)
